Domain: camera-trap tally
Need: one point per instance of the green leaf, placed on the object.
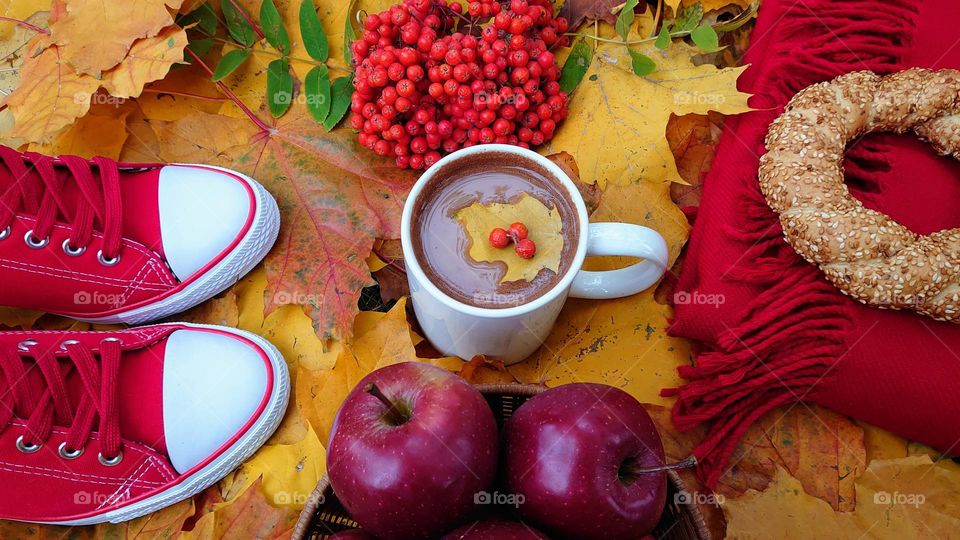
(642, 64)
(705, 37)
(625, 20)
(230, 62)
(203, 16)
(663, 38)
(273, 28)
(349, 35)
(576, 66)
(314, 38)
(279, 87)
(237, 24)
(200, 47)
(316, 88)
(340, 101)
(689, 18)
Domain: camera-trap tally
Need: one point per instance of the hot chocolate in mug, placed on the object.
(512, 333)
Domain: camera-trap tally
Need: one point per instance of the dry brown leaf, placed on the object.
(823, 450)
(51, 95)
(80, 30)
(693, 140)
(149, 59)
(544, 228)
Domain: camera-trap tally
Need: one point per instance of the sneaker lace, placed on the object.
(52, 407)
(38, 190)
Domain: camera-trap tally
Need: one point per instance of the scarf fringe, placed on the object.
(795, 330)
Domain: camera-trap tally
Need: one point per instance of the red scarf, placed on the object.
(783, 334)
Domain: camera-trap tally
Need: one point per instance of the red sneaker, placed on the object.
(109, 426)
(106, 242)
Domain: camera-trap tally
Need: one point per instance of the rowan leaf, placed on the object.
(279, 87)
(340, 96)
(84, 44)
(149, 60)
(663, 37)
(543, 223)
(617, 120)
(229, 63)
(705, 37)
(273, 28)
(642, 64)
(238, 23)
(625, 20)
(576, 66)
(314, 38)
(316, 88)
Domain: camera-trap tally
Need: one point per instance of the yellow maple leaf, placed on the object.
(544, 226)
(96, 35)
(50, 96)
(149, 59)
(617, 124)
(910, 497)
(100, 132)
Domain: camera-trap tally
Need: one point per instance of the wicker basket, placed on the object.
(324, 516)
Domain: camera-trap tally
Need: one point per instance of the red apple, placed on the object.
(410, 447)
(496, 529)
(577, 454)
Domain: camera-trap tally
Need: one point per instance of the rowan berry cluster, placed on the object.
(516, 233)
(432, 78)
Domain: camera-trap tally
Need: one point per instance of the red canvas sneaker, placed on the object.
(106, 242)
(109, 426)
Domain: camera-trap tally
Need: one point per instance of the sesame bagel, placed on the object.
(865, 253)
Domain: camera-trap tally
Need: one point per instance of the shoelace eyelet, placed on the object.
(27, 448)
(72, 251)
(105, 261)
(68, 454)
(26, 344)
(33, 242)
(111, 462)
(5, 233)
(65, 344)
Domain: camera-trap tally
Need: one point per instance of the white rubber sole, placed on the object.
(239, 451)
(251, 249)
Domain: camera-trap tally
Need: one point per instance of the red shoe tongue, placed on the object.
(139, 391)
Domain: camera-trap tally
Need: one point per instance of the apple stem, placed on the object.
(394, 414)
(685, 464)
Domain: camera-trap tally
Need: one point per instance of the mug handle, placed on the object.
(622, 239)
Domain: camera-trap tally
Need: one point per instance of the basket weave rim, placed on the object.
(317, 496)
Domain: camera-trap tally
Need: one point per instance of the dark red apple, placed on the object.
(496, 529)
(577, 453)
(410, 448)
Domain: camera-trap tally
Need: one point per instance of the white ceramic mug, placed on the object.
(513, 333)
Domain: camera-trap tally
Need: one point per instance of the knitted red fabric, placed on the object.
(782, 333)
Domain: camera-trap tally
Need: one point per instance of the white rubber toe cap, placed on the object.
(213, 384)
(202, 212)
